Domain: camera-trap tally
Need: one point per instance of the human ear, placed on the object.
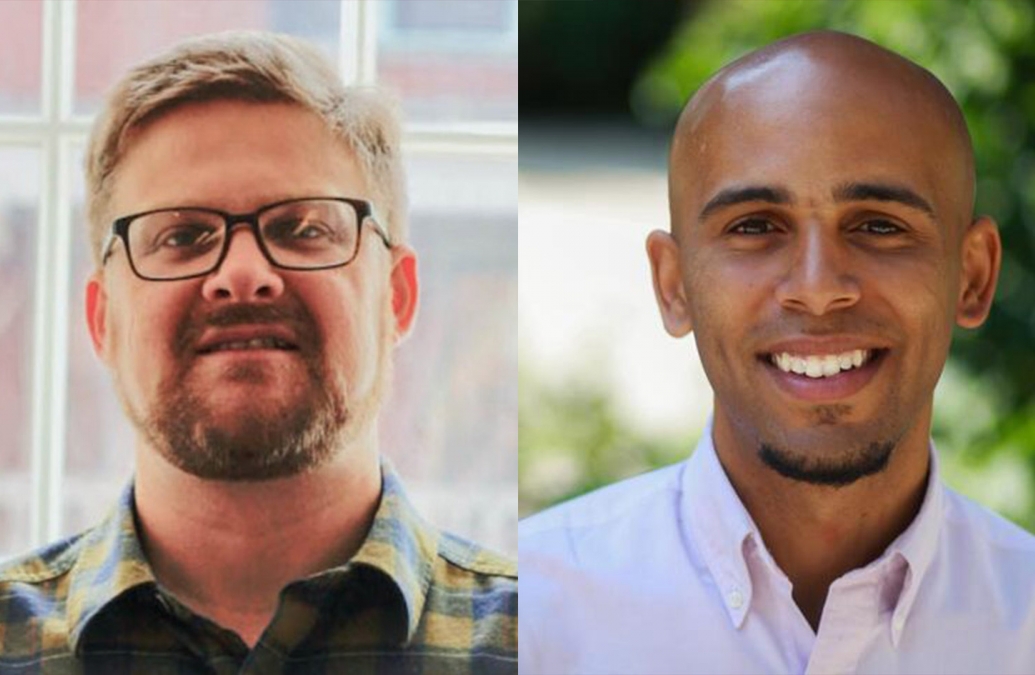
(97, 315)
(405, 289)
(666, 271)
(981, 256)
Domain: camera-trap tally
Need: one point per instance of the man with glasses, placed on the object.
(822, 247)
(248, 223)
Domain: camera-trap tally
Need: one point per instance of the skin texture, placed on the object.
(813, 265)
(227, 530)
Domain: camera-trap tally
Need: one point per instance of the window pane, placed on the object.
(456, 376)
(113, 35)
(21, 28)
(450, 60)
(99, 442)
(19, 199)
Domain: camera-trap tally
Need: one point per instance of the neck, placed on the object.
(227, 549)
(816, 533)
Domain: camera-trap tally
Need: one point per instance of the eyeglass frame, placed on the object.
(364, 213)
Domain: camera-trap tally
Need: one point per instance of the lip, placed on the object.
(825, 389)
(212, 338)
(819, 346)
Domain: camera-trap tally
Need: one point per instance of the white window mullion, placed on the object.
(50, 321)
(485, 139)
(358, 41)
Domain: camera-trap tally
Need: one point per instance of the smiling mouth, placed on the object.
(817, 366)
(823, 378)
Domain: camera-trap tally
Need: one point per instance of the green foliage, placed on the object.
(571, 440)
(584, 56)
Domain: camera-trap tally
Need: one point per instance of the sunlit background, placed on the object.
(605, 393)
(450, 425)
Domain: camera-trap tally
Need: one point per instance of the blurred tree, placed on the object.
(571, 440)
(585, 56)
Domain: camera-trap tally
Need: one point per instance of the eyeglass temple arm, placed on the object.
(107, 246)
(375, 220)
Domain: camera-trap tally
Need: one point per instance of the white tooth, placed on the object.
(785, 362)
(857, 357)
(813, 366)
(845, 361)
(798, 365)
(831, 366)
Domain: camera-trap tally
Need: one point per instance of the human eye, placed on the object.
(752, 227)
(184, 237)
(287, 230)
(881, 227)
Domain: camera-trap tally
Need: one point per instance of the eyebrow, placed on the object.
(740, 195)
(882, 192)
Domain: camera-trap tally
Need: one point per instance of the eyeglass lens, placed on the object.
(185, 242)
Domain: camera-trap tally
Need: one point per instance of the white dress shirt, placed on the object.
(667, 573)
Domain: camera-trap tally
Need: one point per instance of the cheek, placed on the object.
(922, 293)
(352, 331)
(918, 294)
(727, 298)
(142, 329)
(728, 293)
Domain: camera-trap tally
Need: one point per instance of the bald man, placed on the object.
(822, 246)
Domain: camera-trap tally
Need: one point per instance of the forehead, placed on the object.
(805, 125)
(233, 155)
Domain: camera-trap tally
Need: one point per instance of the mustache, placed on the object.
(293, 316)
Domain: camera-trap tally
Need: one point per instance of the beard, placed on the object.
(267, 438)
(858, 462)
(831, 452)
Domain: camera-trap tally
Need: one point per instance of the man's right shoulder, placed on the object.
(598, 516)
(587, 563)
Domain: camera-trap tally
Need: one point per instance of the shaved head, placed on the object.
(843, 80)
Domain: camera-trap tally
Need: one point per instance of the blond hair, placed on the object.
(249, 66)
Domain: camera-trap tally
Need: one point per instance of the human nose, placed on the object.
(245, 275)
(819, 279)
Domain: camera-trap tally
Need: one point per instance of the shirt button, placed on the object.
(735, 599)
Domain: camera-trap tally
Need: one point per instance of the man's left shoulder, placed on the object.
(979, 523)
(999, 555)
(471, 606)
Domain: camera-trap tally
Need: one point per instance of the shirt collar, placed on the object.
(724, 530)
(111, 562)
(720, 525)
(401, 545)
(918, 544)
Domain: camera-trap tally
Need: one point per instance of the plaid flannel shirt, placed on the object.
(412, 600)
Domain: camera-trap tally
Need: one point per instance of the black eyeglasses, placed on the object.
(313, 233)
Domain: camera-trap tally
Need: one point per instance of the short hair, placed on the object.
(249, 66)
